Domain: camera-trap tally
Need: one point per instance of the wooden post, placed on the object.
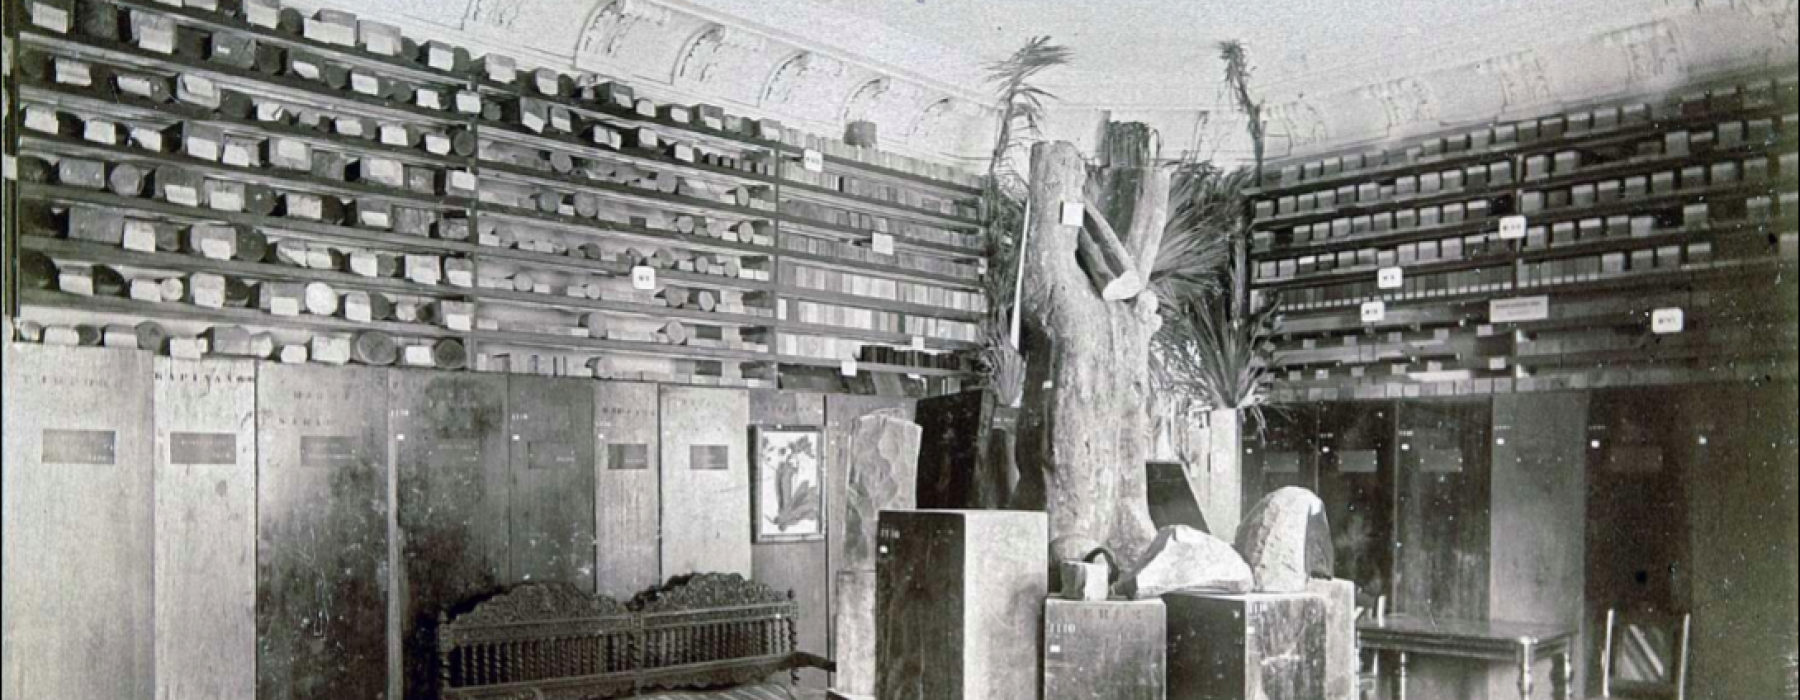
(1085, 433)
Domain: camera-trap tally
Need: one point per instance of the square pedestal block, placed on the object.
(1246, 647)
(1104, 649)
(959, 601)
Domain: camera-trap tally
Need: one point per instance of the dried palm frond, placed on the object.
(1021, 106)
(1222, 359)
(1004, 366)
(1207, 207)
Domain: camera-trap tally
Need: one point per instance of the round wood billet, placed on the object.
(548, 202)
(523, 281)
(491, 111)
(337, 76)
(290, 21)
(172, 288)
(126, 180)
(238, 293)
(593, 290)
(676, 333)
(587, 205)
(663, 258)
(151, 336)
(252, 245)
(291, 251)
(449, 353)
(321, 299)
(98, 19)
(400, 92)
(37, 271)
(262, 345)
(28, 331)
(592, 250)
(260, 200)
(270, 59)
(36, 170)
(374, 348)
(108, 282)
(684, 224)
(676, 297)
(595, 323)
(463, 142)
(89, 335)
(561, 162)
(406, 311)
(387, 265)
(236, 105)
(381, 308)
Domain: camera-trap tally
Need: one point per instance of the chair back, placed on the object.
(1645, 655)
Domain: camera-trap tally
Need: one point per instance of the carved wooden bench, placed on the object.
(540, 641)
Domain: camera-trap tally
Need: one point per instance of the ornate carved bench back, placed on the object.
(717, 634)
(533, 633)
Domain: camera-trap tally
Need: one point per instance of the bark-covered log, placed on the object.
(1085, 432)
(1107, 262)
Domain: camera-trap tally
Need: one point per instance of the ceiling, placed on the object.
(1163, 53)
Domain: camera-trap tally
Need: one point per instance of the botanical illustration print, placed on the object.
(789, 497)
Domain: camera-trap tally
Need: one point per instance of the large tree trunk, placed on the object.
(1085, 432)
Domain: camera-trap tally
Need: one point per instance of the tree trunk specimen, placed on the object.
(1085, 433)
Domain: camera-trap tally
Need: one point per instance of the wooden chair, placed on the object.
(1645, 656)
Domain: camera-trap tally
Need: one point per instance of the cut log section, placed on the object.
(1108, 264)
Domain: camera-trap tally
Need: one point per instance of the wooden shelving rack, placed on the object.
(1539, 254)
(589, 232)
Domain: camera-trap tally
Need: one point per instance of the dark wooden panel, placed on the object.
(550, 430)
(1742, 496)
(950, 451)
(1282, 451)
(322, 532)
(205, 528)
(1254, 647)
(450, 450)
(841, 412)
(1443, 563)
(78, 609)
(627, 501)
(799, 566)
(706, 512)
(1636, 500)
(1539, 521)
(959, 605)
(1356, 481)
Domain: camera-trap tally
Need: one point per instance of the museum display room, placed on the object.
(900, 350)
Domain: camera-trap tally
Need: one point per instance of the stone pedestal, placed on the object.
(1339, 598)
(1111, 650)
(959, 601)
(1246, 647)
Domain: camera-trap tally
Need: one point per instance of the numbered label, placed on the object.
(1390, 278)
(883, 244)
(813, 161)
(643, 278)
(1667, 321)
(847, 368)
(1374, 311)
(1512, 228)
(1072, 213)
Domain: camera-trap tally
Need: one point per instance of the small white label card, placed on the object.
(1390, 278)
(1667, 321)
(1374, 311)
(1512, 228)
(1519, 309)
(643, 278)
(1073, 213)
(882, 243)
(813, 161)
(418, 355)
(847, 368)
(918, 343)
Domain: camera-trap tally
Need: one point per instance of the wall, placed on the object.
(810, 67)
(307, 525)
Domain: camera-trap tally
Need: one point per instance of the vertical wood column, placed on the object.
(796, 566)
(551, 437)
(627, 483)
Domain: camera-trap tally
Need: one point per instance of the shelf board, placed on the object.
(853, 165)
(520, 136)
(300, 228)
(592, 227)
(879, 269)
(178, 262)
(283, 180)
(874, 336)
(875, 368)
(583, 304)
(48, 299)
(894, 209)
(514, 173)
(614, 268)
(280, 87)
(601, 345)
(129, 108)
(900, 241)
(899, 307)
(626, 117)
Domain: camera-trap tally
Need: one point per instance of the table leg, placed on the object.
(1525, 660)
(1400, 677)
(1566, 674)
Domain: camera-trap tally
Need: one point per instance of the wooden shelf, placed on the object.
(582, 304)
(876, 368)
(177, 311)
(592, 227)
(857, 166)
(602, 346)
(878, 269)
(874, 336)
(608, 190)
(178, 262)
(519, 136)
(799, 225)
(895, 209)
(899, 307)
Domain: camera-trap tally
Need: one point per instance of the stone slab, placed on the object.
(704, 438)
(627, 489)
(1246, 647)
(1114, 650)
(550, 432)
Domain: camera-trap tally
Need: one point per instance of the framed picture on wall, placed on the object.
(788, 504)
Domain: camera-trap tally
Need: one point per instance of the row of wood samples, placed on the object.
(275, 507)
(1630, 242)
(671, 188)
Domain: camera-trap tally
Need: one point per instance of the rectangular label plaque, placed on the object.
(709, 458)
(79, 447)
(1281, 463)
(628, 457)
(551, 455)
(1357, 462)
(328, 451)
(203, 448)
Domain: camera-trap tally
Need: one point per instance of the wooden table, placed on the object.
(1495, 640)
